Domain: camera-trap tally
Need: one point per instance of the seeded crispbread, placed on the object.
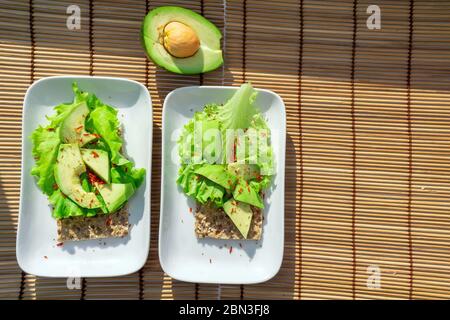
(212, 222)
(113, 225)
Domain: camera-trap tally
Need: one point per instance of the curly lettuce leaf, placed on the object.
(201, 189)
(63, 207)
(207, 119)
(238, 112)
(103, 121)
(128, 174)
(45, 149)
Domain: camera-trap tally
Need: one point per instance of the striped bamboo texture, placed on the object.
(368, 136)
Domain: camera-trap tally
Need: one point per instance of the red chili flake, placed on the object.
(108, 221)
(190, 210)
(93, 179)
(78, 129)
(240, 190)
(231, 249)
(230, 182)
(60, 244)
(259, 178)
(248, 188)
(86, 134)
(45, 257)
(51, 129)
(55, 186)
(94, 154)
(97, 135)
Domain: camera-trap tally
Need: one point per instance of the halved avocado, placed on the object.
(181, 40)
(69, 166)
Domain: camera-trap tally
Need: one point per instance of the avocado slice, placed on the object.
(244, 171)
(217, 174)
(69, 165)
(97, 160)
(245, 193)
(115, 194)
(73, 127)
(181, 41)
(241, 215)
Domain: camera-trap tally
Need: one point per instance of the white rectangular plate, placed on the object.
(181, 254)
(37, 249)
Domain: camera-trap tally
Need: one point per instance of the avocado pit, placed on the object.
(180, 40)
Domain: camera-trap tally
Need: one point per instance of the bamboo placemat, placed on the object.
(368, 144)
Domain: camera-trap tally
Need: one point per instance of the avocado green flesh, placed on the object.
(241, 215)
(244, 171)
(98, 161)
(73, 127)
(69, 166)
(217, 174)
(245, 193)
(207, 58)
(115, 194)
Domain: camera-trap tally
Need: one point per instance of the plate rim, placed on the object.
(163, 153)
(140, 264)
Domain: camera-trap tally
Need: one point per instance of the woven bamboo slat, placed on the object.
(368, 136)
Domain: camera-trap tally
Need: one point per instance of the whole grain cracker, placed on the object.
(212, 222)
(112, 225)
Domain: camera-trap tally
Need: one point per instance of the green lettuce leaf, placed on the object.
(238, 112)
(208, 120)
(63, 207)
(103, 121)
(201, 189)
(45, 149)
(127, 174)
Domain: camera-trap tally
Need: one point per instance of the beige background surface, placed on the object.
(368, 145)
